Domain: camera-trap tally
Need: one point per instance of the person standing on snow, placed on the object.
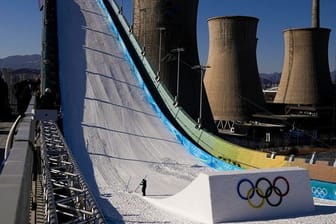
(144, 185)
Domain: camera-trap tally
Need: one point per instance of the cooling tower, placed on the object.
(305, 75)
(232, 83)
(178, 22)
(171, 24)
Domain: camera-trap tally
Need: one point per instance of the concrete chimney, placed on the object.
(316, 14)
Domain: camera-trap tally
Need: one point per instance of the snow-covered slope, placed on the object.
(113, 131)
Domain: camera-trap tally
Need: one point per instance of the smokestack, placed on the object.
(316, 14)
(171, 24)
(232, 83)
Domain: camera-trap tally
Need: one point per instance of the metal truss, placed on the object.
(225, 126)
(66, 195)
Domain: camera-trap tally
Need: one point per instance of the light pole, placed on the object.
(202, 69)
(157, 78)
(178, 50)
(143, 13)
(121, 7)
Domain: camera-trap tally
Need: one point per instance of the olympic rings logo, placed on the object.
(267, 191)
(320, 192)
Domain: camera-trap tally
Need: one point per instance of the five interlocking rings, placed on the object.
(264, 192)
(320, 192)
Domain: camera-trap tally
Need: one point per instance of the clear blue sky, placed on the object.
(20, 25)
(274, 17)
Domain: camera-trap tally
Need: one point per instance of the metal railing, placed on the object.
(9, 141)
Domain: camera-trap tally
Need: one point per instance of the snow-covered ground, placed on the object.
(113, 131)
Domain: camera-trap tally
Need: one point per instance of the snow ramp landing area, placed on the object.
(243, 196)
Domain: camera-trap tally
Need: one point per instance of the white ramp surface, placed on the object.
(112, 130)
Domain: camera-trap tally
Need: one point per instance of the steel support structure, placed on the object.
(66, 194)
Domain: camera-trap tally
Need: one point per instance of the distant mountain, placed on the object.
(21, 61)
(271, 77)
(270, 80)
(26, 71)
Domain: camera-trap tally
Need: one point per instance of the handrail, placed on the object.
(9, 141)
(11, 135)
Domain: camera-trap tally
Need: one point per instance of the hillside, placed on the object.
(21, 61)
(272, 79)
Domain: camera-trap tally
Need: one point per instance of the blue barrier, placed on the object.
(324, 190)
